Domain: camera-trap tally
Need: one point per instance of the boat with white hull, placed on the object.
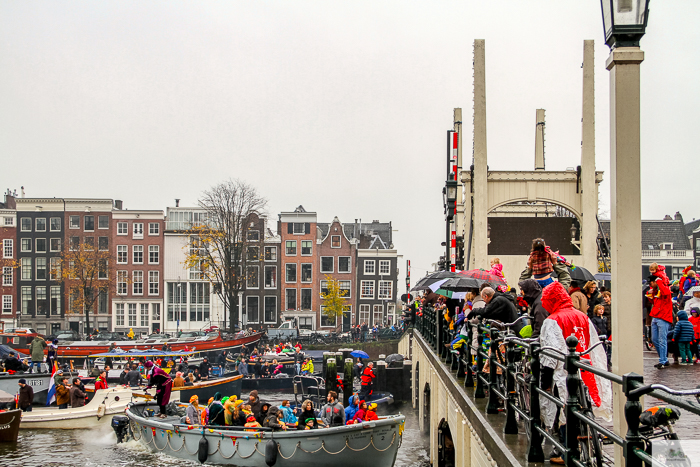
(374, 443)
(99, 411)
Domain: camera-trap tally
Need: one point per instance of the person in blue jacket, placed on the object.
(352, 408)
(288, 416)
(683, 335)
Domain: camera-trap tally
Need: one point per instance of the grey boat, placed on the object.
(38, 381)
(374, 443)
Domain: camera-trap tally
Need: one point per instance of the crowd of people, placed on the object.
(254, 413)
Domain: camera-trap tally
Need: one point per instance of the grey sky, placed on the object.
(341, 107)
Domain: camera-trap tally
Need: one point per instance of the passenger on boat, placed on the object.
(367, 378)
(310, 424)
(274, 420)
(352, 408)
(288, 414)
(307, 412)
(26, 396)
(238, 416)
(251, 422)
(307, 368)
(204, 368)
(183, 367)
(265, 370)
(216, 411)
(371, 413)
(278, 369)
(333, 413)
(163, 384)
(101, 381)
(189, 381)
(62, 394)
(179, 381)
(254, 403)
(133, 378)
(13, 364)
(243, 368)
(192, 412)
(360, 414)
(77, 396)
(264, 409)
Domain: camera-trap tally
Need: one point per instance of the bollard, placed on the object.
(380, 380)
(572, 384)
(479, 392)
(331, 375)
(511, 426)
(492, 406)
(382, 356)
(326, 356)
(347, 381)
(535, 453)
(339, 360)
(346, 353)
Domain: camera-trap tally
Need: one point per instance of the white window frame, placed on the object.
(54, 268)
(349, 287)
(98, 222)
(301, 299)
(153, 229)
(362, 289)
(255, 269)
(273, 250)
(36, 224)
(294, 228)
(21, 224)
(8, 276)
(8, 248)
(122, 228)
(349, 265)
(153, 249)
(137, 228)
(51, 224)
(365, 312)
(122, 282)
(340, 242)
(144, 312)
(276, 280)
(301, 273)
(296, 299)
(25, 245)
(85, 229)
(9, 221)
(7, 304)
(391, 313)
(36, 245)
(326, 271)
(322, 316)
(264, 317)
(285, 248)
(385, 296)
(51, 248)
(122, 254)
(252, 238)
(247, 308)
(132, 313)
(41, 267)
(311, 248)
(119, 314)
(368, 267)
(153, 282)
(377, 309)
(137, 283)
(134, 250)
(72, 225)
(296, 275)
(384, 263)
(26, 269)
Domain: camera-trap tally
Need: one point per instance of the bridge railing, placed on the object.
(513, 385)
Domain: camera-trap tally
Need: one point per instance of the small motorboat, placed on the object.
(227, 386)
(372, 443)
(9, 419)
(99, 411)
(38, 381)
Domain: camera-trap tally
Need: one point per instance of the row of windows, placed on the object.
(42, 300)
(42, 271)
(137, 279)
(253, 311)
(253, 253)
(196, 307)
(137, 254)
(137, 229)
(136, 314)
(385, 290)
(39, 245)
(384, 267)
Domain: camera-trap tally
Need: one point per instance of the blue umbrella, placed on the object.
(359, 354)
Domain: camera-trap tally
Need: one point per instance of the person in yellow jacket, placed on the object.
(131, 333)
(307, 368)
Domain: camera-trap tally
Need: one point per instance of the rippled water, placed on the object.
(98, 448)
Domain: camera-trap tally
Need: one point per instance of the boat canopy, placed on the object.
(142, 353)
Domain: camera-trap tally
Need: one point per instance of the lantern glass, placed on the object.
(451, 193)
(624, 21)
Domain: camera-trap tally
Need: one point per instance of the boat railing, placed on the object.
(219, 427)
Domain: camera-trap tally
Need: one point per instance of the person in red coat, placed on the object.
(366, 379)
(101, 381)
(661, 316)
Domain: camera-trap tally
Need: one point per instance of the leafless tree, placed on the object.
(218, 246)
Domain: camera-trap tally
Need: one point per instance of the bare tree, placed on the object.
(218, 246)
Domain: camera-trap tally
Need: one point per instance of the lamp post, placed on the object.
(624, 23)
(450, 193)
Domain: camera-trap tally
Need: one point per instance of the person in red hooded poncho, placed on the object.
(563, 321)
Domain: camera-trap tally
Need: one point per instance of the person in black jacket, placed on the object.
(532, 293)
(204, 368)
(12, 363)
(307, 412)
(499, 306)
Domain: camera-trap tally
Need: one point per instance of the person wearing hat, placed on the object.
(694, 301)
(192, 412)
(12, 363)
(252, 423)
(160, 379)
(51, 354)
(58, 377)
(254, 403)
(36, 350)
(77, 395)
(307, 413)
(371, 413)
(26, 396)
(62, 393)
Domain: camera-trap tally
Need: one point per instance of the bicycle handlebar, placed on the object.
(506, 325)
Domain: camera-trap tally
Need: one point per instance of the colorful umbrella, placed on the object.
(484, 276)
(359, 354)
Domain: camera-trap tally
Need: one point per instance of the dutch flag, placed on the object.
(51, 396)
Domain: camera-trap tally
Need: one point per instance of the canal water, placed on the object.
(98, 448)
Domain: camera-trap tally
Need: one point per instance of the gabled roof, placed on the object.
(691, 226)
(655, 233)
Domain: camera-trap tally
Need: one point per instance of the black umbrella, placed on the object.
(461, 284)
(431, 278)
(578, 273)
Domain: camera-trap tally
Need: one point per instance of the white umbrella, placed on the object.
(695, 288)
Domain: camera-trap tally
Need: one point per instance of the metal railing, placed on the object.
(506, 352)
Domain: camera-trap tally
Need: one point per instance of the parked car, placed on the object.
(68, 335)
(108, 336)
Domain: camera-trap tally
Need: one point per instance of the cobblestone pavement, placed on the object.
(675, 377)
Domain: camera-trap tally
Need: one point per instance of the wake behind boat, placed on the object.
(372, 443)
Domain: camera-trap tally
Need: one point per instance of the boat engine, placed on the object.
(120, 425)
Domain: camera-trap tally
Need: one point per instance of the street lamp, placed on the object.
(450, 194)
(574, 230)
(624, 21)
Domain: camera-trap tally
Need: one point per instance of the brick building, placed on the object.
(138, 242)
(300, 279)
(336, 260)
(8, 262)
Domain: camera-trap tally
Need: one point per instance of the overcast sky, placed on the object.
(339, 106)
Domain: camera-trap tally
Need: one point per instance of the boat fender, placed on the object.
(101, 411)
(203, 451)
(271, 452)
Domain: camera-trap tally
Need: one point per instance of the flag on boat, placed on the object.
(51, 396)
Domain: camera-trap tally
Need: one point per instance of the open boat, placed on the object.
(372, 443)
(228, 386)
(99, 411)
(38, 381)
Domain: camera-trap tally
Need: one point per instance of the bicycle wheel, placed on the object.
(590, 446)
